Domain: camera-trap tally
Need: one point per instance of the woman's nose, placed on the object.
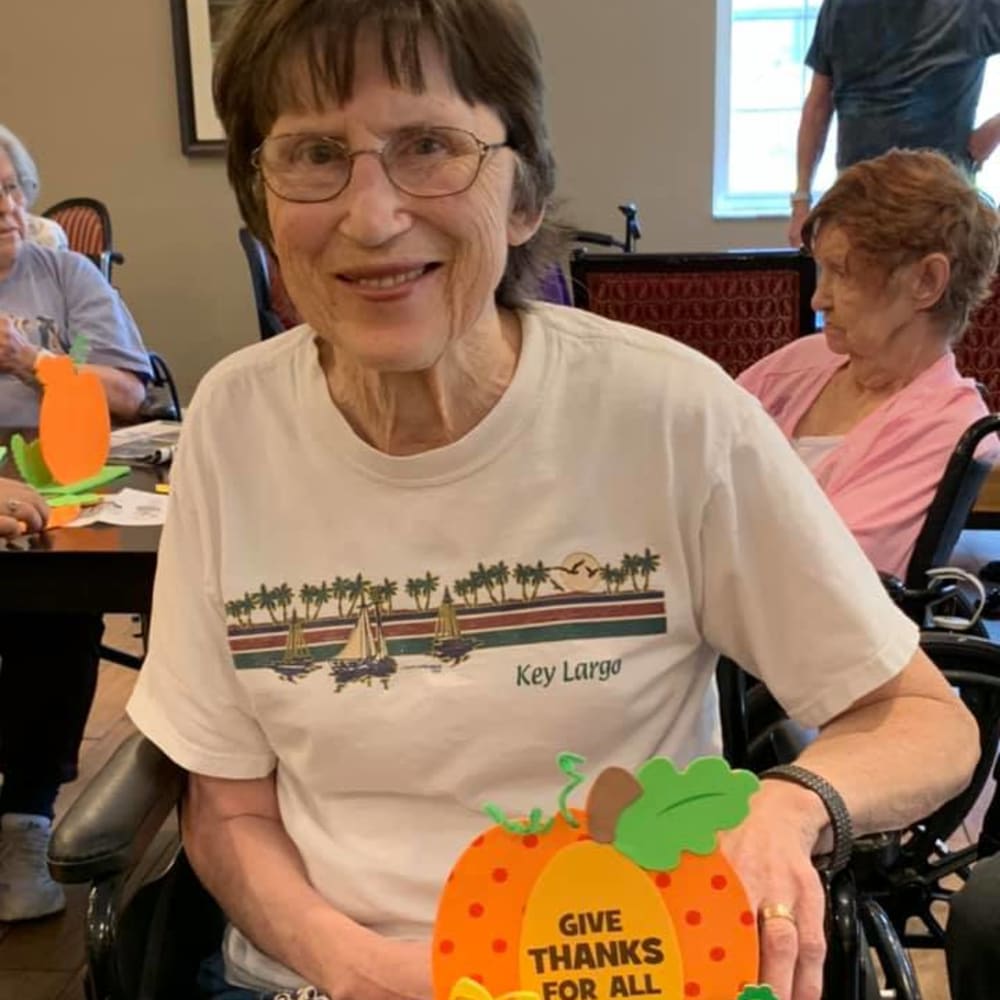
(374, 209)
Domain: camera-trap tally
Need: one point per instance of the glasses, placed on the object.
(12, 190)
(423, 162)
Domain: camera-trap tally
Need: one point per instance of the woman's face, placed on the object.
(391, 279)
(862, 313)
(13, 216)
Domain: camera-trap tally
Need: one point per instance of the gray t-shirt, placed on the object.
(53, 295)
(905, 73)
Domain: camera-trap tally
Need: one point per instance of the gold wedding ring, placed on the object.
(777, 911)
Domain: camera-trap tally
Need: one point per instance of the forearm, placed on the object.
(250, 865)
(814, 128)
(895, 763)
(124, 390)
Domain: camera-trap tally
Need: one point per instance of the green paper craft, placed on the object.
(32, 469)
(74, 500)
(79, 350)
(3, 452)
(29, 462)
(758, 993)
(107, 475)
(682, 810)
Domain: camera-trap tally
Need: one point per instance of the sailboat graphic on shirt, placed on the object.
(365, 655)
(449, 645)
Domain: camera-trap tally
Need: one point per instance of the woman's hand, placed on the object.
(17, 353)
(772, 852)
(385, 969)
(22, 510)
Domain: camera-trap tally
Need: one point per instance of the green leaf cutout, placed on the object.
(682, 810)
(79, 350)
(757, 993)
(29, 462)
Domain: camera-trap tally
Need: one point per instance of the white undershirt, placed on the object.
(813, 449)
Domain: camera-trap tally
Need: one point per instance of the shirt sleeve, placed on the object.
(96, 310)
(188, 699)
(818, 57)
(786, 591)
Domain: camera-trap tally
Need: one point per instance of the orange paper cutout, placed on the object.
(517, 907)
(59, 517)
(74, 424)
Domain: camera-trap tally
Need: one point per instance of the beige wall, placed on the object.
(631, 98)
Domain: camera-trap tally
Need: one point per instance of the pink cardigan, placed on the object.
(881, 478)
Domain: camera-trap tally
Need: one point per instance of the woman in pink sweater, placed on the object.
(905, 248)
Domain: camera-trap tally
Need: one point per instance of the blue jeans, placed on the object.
(213, 986)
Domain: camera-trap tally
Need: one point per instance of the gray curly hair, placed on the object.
(24, 165)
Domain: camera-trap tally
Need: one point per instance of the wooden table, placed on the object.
(101, 568)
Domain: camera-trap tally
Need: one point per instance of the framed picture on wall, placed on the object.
(197, 26)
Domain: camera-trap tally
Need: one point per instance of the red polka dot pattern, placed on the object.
(476, 910)
(717, 954)
(693, 917)
(692, 990)
(719, 882)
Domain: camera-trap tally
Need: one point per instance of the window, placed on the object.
(761, 81)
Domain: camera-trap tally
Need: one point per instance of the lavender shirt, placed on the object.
(53, 295)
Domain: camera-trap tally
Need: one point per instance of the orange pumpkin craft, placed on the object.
(631, 898)
(74, 425)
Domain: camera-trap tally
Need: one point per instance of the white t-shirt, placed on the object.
(561, 578)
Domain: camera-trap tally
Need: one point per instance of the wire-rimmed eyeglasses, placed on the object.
(13, 190)
(425, 162)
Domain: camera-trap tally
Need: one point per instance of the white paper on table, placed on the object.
(140, 441)
(126, 508)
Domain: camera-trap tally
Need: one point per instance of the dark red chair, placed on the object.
(978, 353)
(734, 307)
(87, 225)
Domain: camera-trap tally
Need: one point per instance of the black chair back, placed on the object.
(268, 320)
(952, 504)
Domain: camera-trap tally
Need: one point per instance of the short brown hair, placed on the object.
(901, 206)
(491, 52)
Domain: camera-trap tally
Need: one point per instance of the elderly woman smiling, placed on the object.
(430, 437)
(906, 248)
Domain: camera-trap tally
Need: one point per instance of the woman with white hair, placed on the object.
(45, 232)
(47, 298)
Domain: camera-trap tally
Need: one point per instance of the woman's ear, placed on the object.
(930, 280)
(521, 226)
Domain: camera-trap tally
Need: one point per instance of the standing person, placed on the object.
(48, 662)
(430, 436)
(907, 75)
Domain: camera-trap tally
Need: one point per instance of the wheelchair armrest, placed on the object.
(107, 830)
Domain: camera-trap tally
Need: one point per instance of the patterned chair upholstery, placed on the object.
(87, 225)
(734, 307)
(978, 352)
